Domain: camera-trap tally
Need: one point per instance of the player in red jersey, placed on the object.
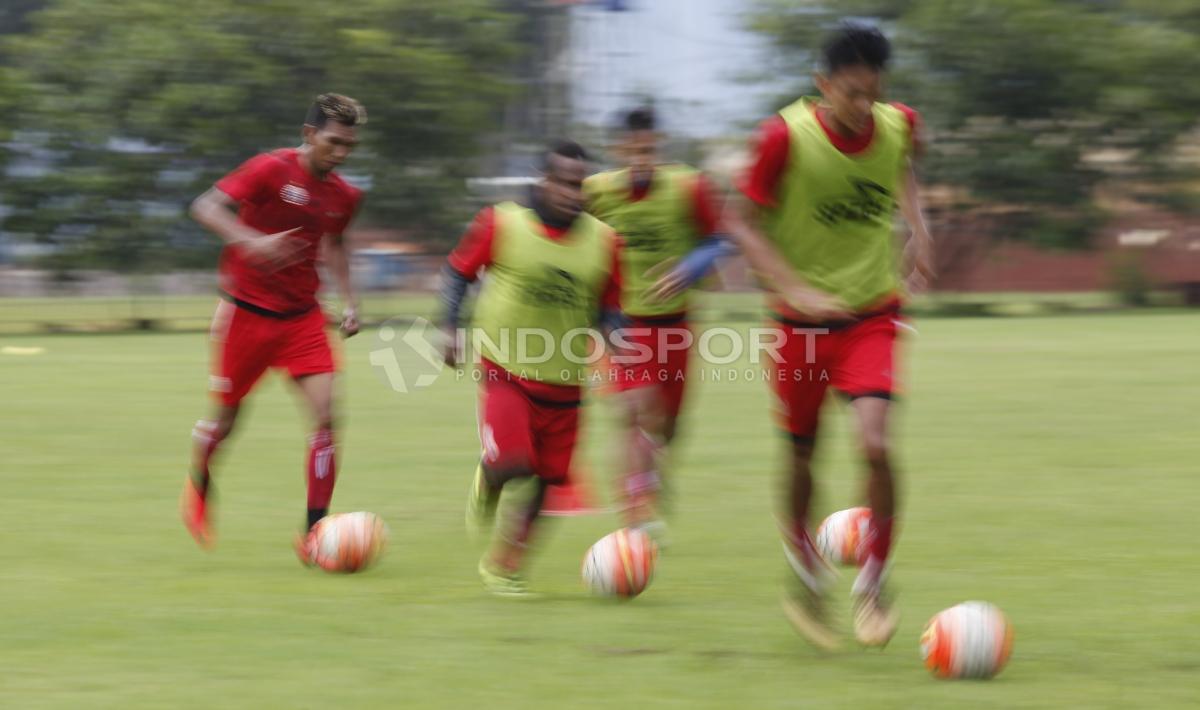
(816, 222)
(273, 213)
(552, 269)
(668, 216)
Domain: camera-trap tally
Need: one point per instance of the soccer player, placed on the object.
(273, 213)
(816, 222)
(667, 217)
(551, 274)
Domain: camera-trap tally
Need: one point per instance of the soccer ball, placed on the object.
(349, 542)
(842, 537)
(620, 563)
(970, 640)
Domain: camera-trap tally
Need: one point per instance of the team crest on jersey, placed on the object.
(557, 288)
(293, 194)
(870, 202)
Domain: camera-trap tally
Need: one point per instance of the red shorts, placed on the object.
(858, 360)
(658, 358)
(247, 343)
(527, 425)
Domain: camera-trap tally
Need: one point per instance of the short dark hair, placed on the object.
(337, 108)
(566, 149)
(856, 44)
(641, 118)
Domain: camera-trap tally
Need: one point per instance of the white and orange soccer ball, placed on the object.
(970, 640)
(348, 542)
(620, 564)
(842, 537)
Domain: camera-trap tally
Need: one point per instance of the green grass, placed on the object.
(1049, 467)
(192, 313)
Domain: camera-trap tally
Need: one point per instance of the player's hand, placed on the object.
(671, 281)
(349, 326)
(273, 251)
(817, 305)
(922, 273)
(450, 350)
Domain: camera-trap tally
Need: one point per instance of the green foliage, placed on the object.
(194, 93)
(1128, 279)
(1020, 93)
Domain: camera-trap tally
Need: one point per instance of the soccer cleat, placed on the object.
(193, 508)
(500, 583)
(805, 605)
(657, 529)
(481, 504)
(806, 610)
(875, 620)
(306, 548)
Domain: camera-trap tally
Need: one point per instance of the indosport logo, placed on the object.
(405, 354)
(869, 202)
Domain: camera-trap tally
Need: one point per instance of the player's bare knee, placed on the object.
(802, 448)
(877, 453)
(222, 424)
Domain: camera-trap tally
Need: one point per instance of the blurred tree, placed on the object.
(1031, 102)
(14, 15)
(133, 107)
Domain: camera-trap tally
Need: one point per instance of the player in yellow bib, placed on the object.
(552, 272)
(816, 223)
(667, 217)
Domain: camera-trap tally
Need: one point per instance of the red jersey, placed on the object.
(474, 253)
(276, 193)
(771, 151)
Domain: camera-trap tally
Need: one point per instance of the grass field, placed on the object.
(1049, 467)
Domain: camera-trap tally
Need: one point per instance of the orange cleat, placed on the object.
(193, 508)
(306, 548)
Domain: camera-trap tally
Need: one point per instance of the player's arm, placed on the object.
(473, 253)
(742, 221)
(918, 251)
(337, 255)
(216, 210)
(610, 316)
(678, 276)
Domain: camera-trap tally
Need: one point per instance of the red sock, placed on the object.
(879, 544)
(799, 539)
(322, 469)
(881, 538)
(204, 433)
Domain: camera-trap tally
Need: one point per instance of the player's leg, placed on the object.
(875, 620)
(554, 427)
(500, 569)
(671, 396)
(643, 446)
(506, 444)
(321, 469)
(506, 434)
(646, 386)
(306, 354)
(241, 353)
(865, 373)
(799, 386)
(195, 504)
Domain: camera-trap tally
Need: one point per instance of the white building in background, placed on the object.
(694, 57)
